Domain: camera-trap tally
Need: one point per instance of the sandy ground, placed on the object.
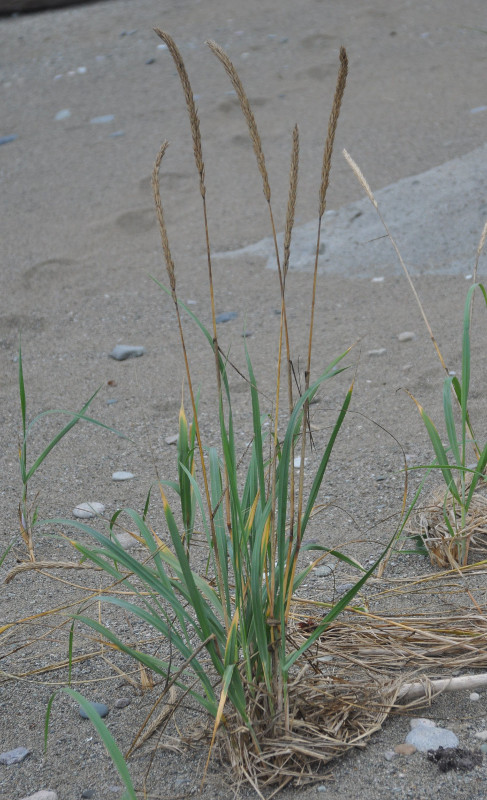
(79, 241)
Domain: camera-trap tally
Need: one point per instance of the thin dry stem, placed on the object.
(247, 112)
(366, 187)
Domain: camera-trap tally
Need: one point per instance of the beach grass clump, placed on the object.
(228, 616)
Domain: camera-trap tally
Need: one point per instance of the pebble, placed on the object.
(416, 722)
(406, 336)
(126, 541)
(379, 279)
(102, 120)
(405, 749)
(483, 747)
(115, 134)
(379, 352)
(344, 588)
(321, 788)
(86, 794)
(100, 708)
(425, 738)
(122, 351)
(122, 476)
(481, 735)
(14, 756)
(172, 439)
(64, 114)
(323, 570)
(43, 794)
(389, 755)
(478, 109)
(122, 702)
(226, 316)
(474, 696)
(7, 139)
(88, 510)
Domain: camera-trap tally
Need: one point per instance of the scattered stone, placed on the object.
(379, 279)
(379, 352)
(323, 570)
(172, 439)
(406, 336)
(102, 120)
(405, 749)
(87, 793)
(112, 401)
(122, 702)
(64, 114)
(481, 735)
(88, 510)
(122, 351)
(100, 708)
(115, 134)
(425, 738)
(126, 541)
(226, 316)
(455, 758)
(43, 794)
(474, 696)
(344, 588)
(478, 109)
(389, 755)
(14, 756)
(321, 788)
(7, 139)
(416, 722)
(122, 476)
(483, 748)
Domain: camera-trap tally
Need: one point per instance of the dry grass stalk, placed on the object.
(247, 112)
(291, 203)
(160, 218)
(361, 179)
(332, 125)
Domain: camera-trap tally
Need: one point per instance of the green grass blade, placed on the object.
(450, 420)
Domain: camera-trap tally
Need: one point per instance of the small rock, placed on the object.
(150, 61)
(483, 748)
(100, 708)
(88, 510)
(7, 139)
(389, 755)
(323, 570)
(116, 134)
(379, 279)
(425, 738)
(122, 476)
(112, 401)
(87, 794)
(405, 749)
(172, 439)
(321, 788)
(122, 702)
(64, 114)
(481, 735)
(123, 351)
(474, 696)
(406, 336)
(102, 120)
(43, 794)
(226, 316)
(379, 352)
(344, 588)
(14, 756)
(416, 722)
(126, 541)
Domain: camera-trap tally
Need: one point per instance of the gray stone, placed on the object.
(344, 588)
(123, 351)
(379, 352)
(226, 316)
(88, 510)
(87, 794)
(7, 139)
(100, 708)
(122, 702)
(102, 120)
(44, 794)
(323, 570)
(406, 336)
(425, 738)
(14, 756)
(122, 476)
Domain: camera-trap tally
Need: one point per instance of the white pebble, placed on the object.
(481, 735)
(122, 476)
(474, 696)
(389, 755)
(102, 120)
(88, 510)
(81, 70)
(378, 280)
(64, 114)
(416, 722)
(379, 352)
(468, 277)
(162, 46)
(172, 439)
(44, 794)
(406, 336)
(126, 541)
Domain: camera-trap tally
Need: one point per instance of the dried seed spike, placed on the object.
(247, 112)
(361, 178)
(160, 217)
(193, 114)
(291, 205)
(332, 126)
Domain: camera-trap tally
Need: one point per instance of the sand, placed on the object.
(80, 240)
